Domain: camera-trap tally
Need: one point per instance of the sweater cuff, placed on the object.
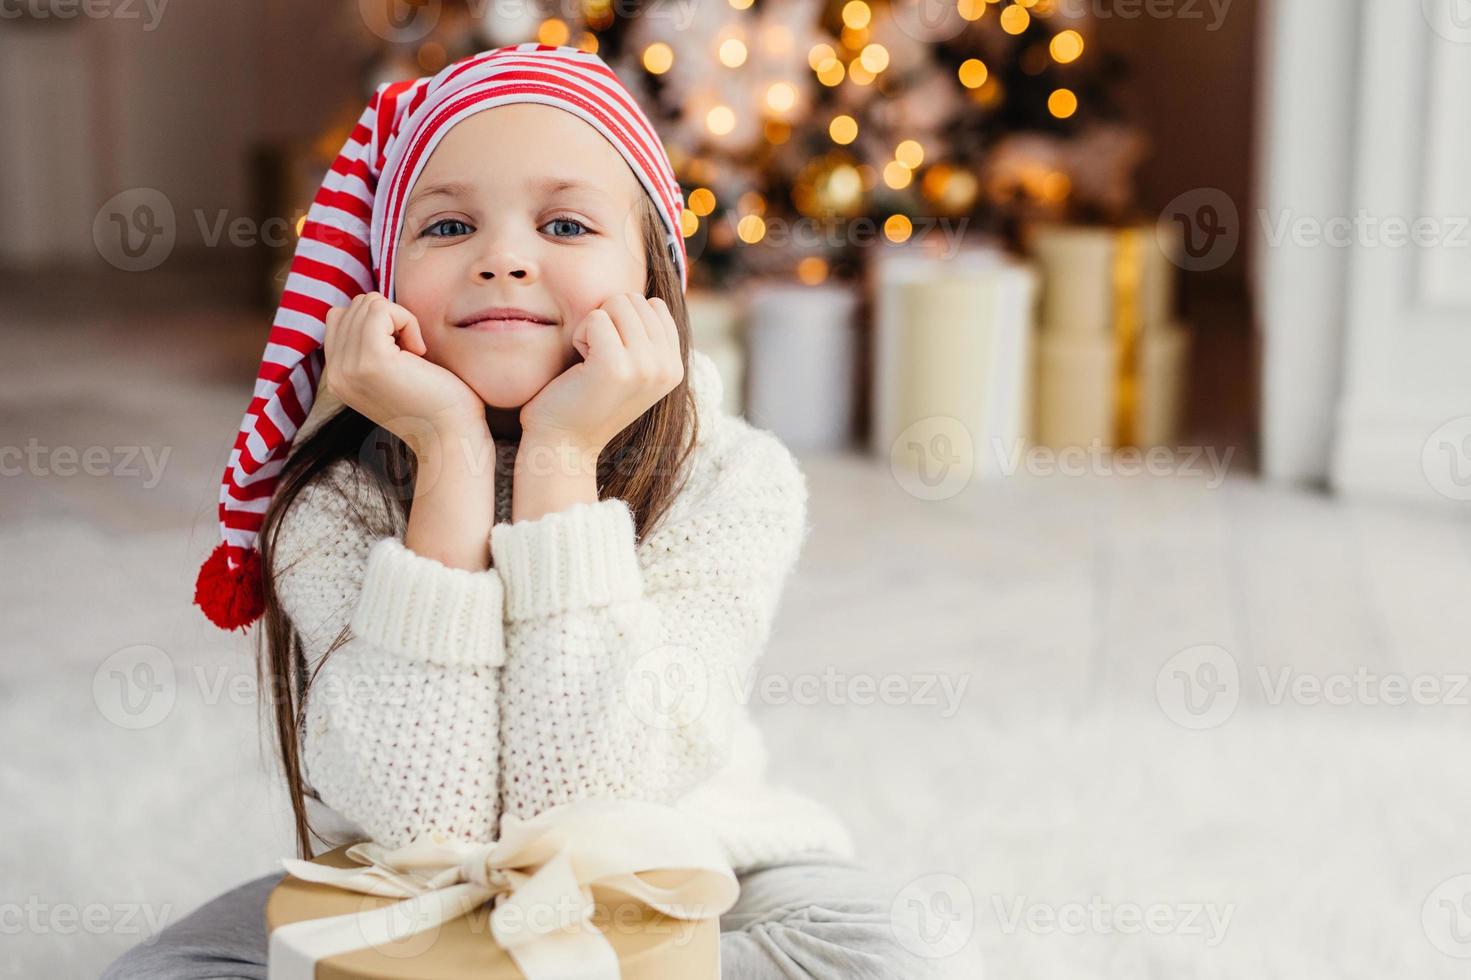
(422, 609)
(568, 559)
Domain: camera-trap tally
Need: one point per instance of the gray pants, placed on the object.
(816, 916)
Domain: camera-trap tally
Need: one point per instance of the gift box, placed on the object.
(595, 890)
(952, 353)
(1111, 361)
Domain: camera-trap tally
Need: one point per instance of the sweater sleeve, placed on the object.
(401, 718)
(625, 662)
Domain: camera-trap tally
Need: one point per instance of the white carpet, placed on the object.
(1293, 840)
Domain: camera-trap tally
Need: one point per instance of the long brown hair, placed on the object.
(640, 466)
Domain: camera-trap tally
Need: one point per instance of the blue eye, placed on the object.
(429, 232)
(567, 221)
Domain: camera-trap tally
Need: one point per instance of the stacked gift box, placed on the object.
(1111, 357)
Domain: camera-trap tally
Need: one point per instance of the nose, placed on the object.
(504, 263)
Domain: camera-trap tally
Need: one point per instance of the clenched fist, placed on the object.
(375, 363)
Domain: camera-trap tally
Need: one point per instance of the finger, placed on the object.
(628, 321)
(604, 344)
(352, 332)
(666, 331)
(665, 340)
(408, 333)
(649, 317)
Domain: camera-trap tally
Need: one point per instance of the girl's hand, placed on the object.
(631, 359)
(375, 363)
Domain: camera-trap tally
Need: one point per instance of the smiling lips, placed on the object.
(502, 318)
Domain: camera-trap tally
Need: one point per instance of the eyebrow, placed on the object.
(448, 188)
(545, 185)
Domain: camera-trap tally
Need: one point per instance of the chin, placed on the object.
(508, 392)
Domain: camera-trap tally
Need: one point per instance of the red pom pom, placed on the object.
(230, 597)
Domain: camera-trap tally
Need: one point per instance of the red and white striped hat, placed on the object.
(347, 247)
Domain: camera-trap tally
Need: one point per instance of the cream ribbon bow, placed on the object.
(538, 875)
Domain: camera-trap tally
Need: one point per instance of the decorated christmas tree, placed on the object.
(801, 130)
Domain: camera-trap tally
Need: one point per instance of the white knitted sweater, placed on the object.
(581, 664)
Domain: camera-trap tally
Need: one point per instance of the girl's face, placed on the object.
(523, 206)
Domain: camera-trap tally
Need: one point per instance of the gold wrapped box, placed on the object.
(592, 890)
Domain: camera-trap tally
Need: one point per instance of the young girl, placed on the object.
(529, 560)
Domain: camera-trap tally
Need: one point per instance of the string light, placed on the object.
(896, 175)
(733, 52)
(1067, 47)
(973, 73)
(898, 228)
(751, 229)
(843, 129)
(720, 120)
(856, 14)
(1062, 103)
(1014, 19)
(910, 154)
(781, 97)
(812, 270)
(658, 58)
(875, 58)
(820, 56)
(553, 31)
(702, 201)
(688, 223)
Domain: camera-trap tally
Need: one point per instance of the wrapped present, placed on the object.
(801, 350)
(954, 353)
(1111, 360)
(592, 890)
(1078, 397)
(1084, 269)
